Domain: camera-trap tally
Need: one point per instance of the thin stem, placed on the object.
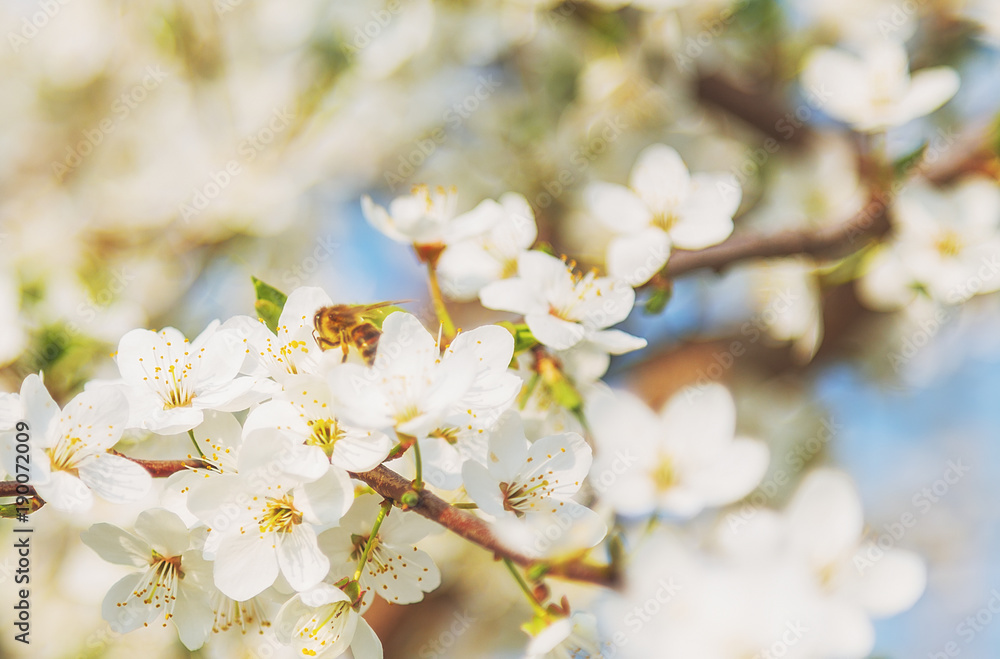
(418, 482)
(525, 588)
(465, 505)
(373, 538)
(438, 300)
(195, 442)
(528, 390)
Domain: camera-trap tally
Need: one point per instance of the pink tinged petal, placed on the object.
(361, 451)
(555, 332)
(825, 517)
(617, 207)
(124, 619)
(116, 546)
(66, 492)
(299, 557)
(40, 411)
(660, 177)
(365, 644)
(114, 478)
(520, 218)
(515, 295)
(246, 564)
(615, 342)
(888, 584)
(164, 531)
(483, 489)
(929, 90)
(326, 500)
(636, 257)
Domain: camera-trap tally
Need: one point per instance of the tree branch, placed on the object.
(826, 242)
(392, 486)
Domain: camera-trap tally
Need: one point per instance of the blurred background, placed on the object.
(154, 156)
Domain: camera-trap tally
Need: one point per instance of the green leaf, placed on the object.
(270, 301)
(523, 338)
(658, 300)
(378, 316)
(907, 162)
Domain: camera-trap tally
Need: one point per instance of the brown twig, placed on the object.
(826, 242)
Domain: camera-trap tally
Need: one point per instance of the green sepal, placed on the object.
(523, 338)
(269, 303)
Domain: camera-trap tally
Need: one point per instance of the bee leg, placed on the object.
(344, 348)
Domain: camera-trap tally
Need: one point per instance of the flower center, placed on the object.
(948, 244)
(666, 220)
(325, 433)
(449, 435)
(279, 515)
(663, 474)
(323, 628)
(63, 454)
(229, 613)
(519, 498)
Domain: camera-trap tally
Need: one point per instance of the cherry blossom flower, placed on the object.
(466, 266)
(681, 461)
(305, 411)
(68, 461)
(170, 381)
(261, 520)
(428, 217)
(874, 91)
(415, 388)
(945, 244)
(530, 489)
(322, 622)
(563, 309)
(567, 638)
(663, 208)
(164, 589)
(396, 570)
(293, 349)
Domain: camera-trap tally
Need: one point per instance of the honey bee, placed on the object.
(347, 325)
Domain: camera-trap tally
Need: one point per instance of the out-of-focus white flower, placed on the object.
(680, 462)
(862, 580)
(530, 489)
(68, 459)
(563, 309)
(428, 217)
(946, 243)
(874, 91)
(786, 296)
(171, 381)
(396, 570)
(664, 207)
(466, 266)
(164, 588)
(416, 389)
(261, 520)
(321, 622)
(567, 638)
